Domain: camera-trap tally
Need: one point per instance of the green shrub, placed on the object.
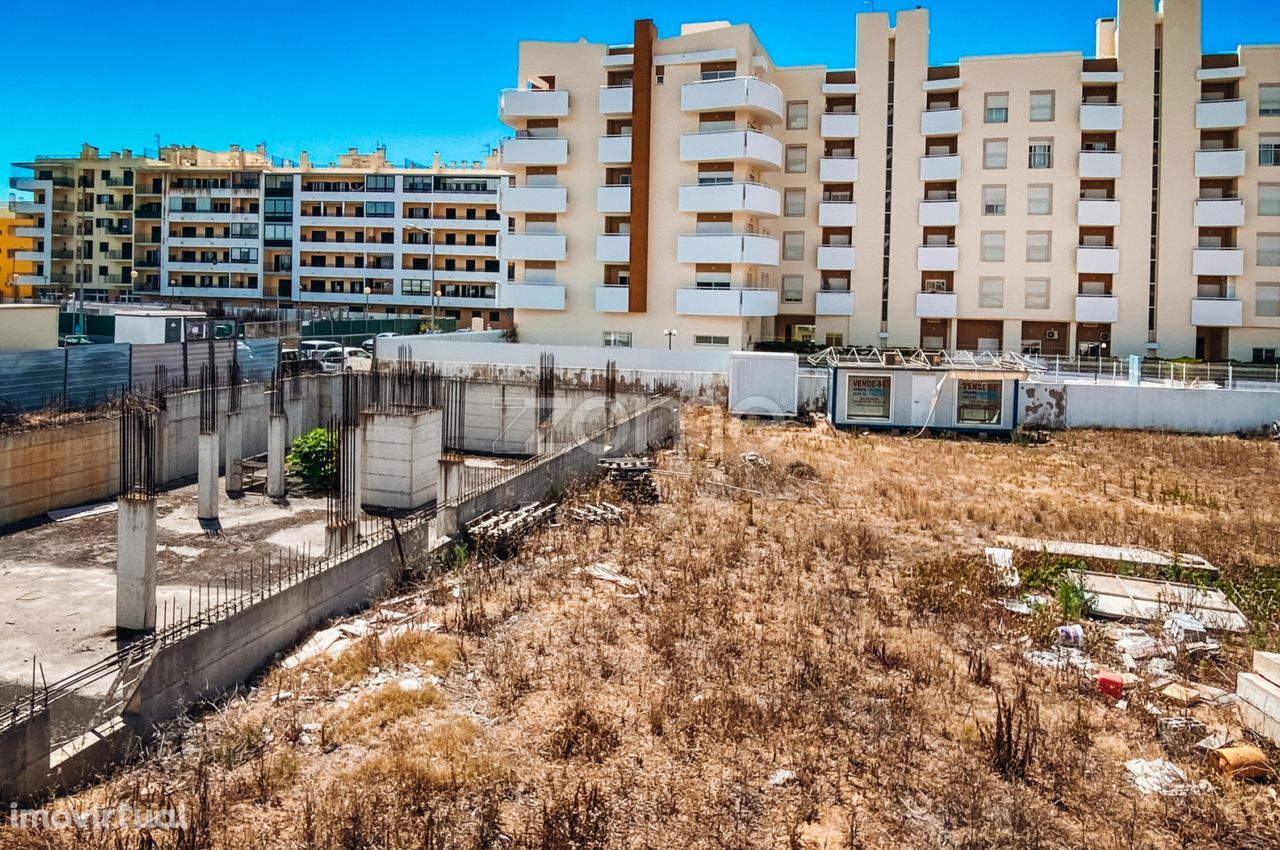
(1072, 597)
(313, 456)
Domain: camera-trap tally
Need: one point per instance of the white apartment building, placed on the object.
(1124, 203)
(241, 228)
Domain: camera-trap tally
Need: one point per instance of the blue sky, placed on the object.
(414, 76)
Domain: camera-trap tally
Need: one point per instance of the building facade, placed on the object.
(17, 239)
(239, 228)
(1124, 203)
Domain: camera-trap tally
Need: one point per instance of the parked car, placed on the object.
(346, 360)
(293, 363)
(368, 344)
(311, 349)
(76, 339)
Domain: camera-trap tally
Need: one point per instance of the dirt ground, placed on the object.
(798, 646)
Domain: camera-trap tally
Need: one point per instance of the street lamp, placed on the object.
(368, 290)
(669, 334)
(133, 282)
(435, 296)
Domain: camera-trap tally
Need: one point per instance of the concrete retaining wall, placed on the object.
(24, 759)
(1148, 407)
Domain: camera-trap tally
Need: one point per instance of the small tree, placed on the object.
(314, 456)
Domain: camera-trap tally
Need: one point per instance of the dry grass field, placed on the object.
(799, 654)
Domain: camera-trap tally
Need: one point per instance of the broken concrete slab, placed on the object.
(1127, 597)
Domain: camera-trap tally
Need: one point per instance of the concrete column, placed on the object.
(207, 476)
(234, 437)
(136, 564)
(401, 459)
(277, 446)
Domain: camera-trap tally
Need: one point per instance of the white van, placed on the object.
(311, 349)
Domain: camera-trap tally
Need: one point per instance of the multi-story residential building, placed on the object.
(241, 228)
(1125, 203)
(17, 244)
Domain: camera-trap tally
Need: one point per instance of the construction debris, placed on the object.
(1259, 696)
(609, 573)
(1127, 597)
(1179, 734)
(632, 476)
(1136, 555)
(500, 532)
(1241, 762)
(1001, 561)
(601, 513)
(1181, 695)
(1157, 776)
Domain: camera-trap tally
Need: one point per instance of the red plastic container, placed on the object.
(1111, 684)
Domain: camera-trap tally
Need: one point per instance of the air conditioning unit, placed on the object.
(1052, 333)
(1105, 336)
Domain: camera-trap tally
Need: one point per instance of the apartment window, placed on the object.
(797, 159)
(991, 292)
(997, 111)
(793, 246)
(1038, 247)
(415, 286)
(793, 202)
(993, 246)
(797, 115)
(379, 209)
(1269, 150)
(1269, 249)
(617, 339)
(1269, 99)
(1264, 355)
(993, 200)
(380, 183)
(792, 289)
(1269, 199)
(1039, 200)
(704, 339)
(995, 153)
(280, 233)
(1036, 296)
(1040, 154)
(1042, 106)
(1266, 302)
(278, 206)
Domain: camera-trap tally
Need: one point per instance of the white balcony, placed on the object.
(835, 257)
(31, 184)
(840, 125)
(531, 296)
(934, 168)
(749, 146)
(1219, 212)
(612, 299)
(1220, 163)
(613, 199)
(1098, 212)
(939, 213)
(731, 197)
(30, 256)
(837, 214)
(1100, 164)
(1217, 262)
(940, 122)
(32, 232)
(535, 199)
(937, 258)
(748, 248)
(1220, 114)
(528, 150)
(614, 149)
(532, 103)
(698, 301)
(32, 280)
(935, 305)
(1097, 259)
(613, 247)
(748, 93)
(1217, 312)
(1234, 72)
(462, 249)
(615, 100)
(838, 169)
(30, 207)
(1100, 309)
(534, 246)
(463, 276)
(832, 303)
(1101, 116)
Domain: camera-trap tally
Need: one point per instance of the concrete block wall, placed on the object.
(52, 468)
(401, 458)
(24, 759)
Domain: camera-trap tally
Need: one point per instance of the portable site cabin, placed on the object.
(938, 391)
(151, 327)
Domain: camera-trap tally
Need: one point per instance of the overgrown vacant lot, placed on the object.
(802, 653)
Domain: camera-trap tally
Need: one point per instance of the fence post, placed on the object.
(66, 366)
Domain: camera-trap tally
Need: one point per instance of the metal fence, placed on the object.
(1170, 371)
(81, 377)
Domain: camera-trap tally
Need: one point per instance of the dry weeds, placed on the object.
(805, 661)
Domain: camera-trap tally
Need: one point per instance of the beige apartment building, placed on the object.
(240, 228)
(1124, 203)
